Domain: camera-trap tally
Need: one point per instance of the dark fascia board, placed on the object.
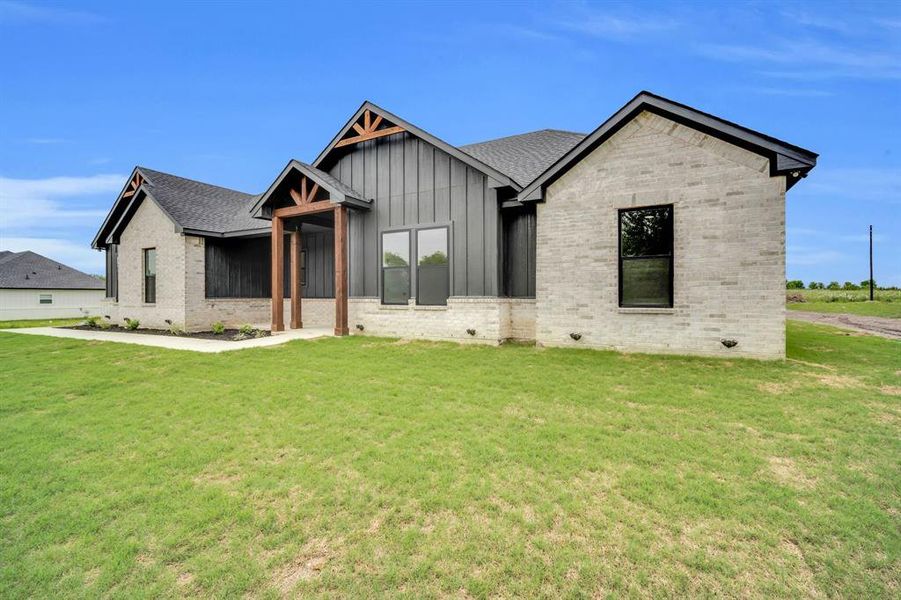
(499, 179)
(228, 234)
(784, 158)
(97, 243)
(335, 195)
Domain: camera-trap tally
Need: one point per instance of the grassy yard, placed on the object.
(887, 303)
(39, 323)
(365, 467)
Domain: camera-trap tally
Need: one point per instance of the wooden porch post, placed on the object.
(296, 290)
(341, 271)
(278, 274)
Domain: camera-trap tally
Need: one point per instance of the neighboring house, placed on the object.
(663, 230)
(34, 287)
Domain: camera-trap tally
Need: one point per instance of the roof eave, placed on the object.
(500, 179)
(785, 159)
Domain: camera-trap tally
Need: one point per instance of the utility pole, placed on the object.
(871, 263)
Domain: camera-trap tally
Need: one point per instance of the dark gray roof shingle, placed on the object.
(29, 270)
(525, 156)
(197, 205)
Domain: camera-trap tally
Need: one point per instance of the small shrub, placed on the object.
(246, 329)
(132, 324)
(833, 285)
(258, 333)
(218, 327)
(92, 322)
(794, 284)
(175, 328)
(795, 298)
(104, 325)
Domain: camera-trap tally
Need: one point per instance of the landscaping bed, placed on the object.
(228, 335)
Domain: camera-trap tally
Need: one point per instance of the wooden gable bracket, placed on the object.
(305, 195)
(368, 130)
(136, 182)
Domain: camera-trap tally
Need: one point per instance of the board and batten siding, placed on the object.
(240, 268)
(413, 183)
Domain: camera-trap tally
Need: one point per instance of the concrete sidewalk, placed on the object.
(176, 343)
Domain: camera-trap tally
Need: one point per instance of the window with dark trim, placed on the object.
(432, 266)
(45, 299)
(395, 267)
(150, 275)
(646, 257)
(303, 268)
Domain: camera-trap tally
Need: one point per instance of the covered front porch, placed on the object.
(304, 198)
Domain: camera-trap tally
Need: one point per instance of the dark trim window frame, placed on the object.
(646, 269)
(395, 267)
(434, 273)
(303, 267)
(149, 279)
(45, 299)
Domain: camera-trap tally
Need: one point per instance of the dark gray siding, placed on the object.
(319, 260)
(413, 183)
(519, 252)
(240, 268)
(112, 271)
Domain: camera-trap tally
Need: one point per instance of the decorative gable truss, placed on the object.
(306, 194)
(367, 128)
(133, 186)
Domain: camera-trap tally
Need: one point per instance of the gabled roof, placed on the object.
(498, 176)
(785, 158)
(525, 156)
(339, 192)
(29, 270)
(194, 207)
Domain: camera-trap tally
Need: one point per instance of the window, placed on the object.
(432, 272)
(303, 268)
(45, 299)
(646, 257)
(396, 267)
(150, 275)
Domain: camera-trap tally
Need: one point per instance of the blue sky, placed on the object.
(229, 92)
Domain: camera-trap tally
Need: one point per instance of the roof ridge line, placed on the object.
(221, 187)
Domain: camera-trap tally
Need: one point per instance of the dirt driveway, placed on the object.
(885, 327)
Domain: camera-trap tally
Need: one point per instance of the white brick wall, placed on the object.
(489, 317)
(729, 221)
(150, 228)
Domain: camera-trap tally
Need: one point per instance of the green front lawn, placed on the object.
(39, 323)
(366, 467)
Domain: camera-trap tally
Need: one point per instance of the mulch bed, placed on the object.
(228, 335)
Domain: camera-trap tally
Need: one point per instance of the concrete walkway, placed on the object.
(882, 326)
(176, 343)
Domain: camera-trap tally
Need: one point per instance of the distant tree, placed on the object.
(833, 285)
(866, 283)
(850, 286)
(436, 258)
(794, 284)
(815, 285)
(392, 259)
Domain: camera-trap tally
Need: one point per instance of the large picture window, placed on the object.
(432, 267)
(150, 275)
(646, 257)
(395, 267)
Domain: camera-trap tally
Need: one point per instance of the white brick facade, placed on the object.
(729, 245)
(492, 320)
